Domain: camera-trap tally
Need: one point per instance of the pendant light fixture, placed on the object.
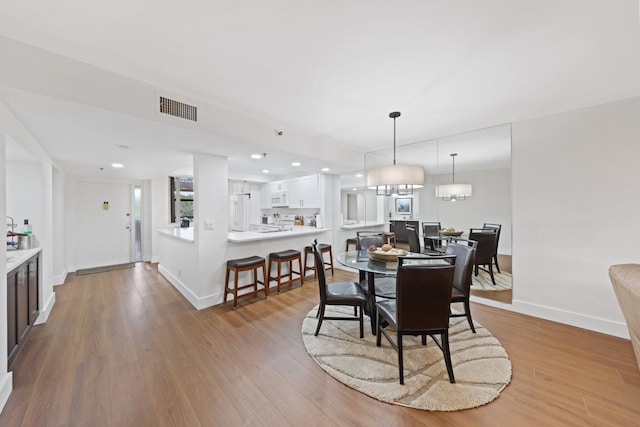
(395, 180)
(452, 192)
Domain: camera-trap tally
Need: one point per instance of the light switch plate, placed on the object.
(209, 225)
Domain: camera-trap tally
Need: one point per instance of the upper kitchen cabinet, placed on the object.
(304, 192)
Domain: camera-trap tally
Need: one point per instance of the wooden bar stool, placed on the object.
(352, 241)
(323, 247)
(390, 236)
(285, 256)
(252, 263)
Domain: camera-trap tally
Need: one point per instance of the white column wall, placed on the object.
(576, 209)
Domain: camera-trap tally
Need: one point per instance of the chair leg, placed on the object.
(378, 333)
(444, 337)
(321, 311)
(226, 286)
(331, 261)
(400, 365)
(301, 274)
(361, 321)
(467, 312)
(495, 258)
(424, 339)
(491, 273)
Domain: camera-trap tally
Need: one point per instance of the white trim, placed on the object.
(6, 386)
(579, 320)
(46, 311)
(155, 259)
(198, 303)
(60, 278)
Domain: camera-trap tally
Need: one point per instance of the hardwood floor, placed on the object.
(125, 348)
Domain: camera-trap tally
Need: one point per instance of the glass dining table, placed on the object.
(379, 275)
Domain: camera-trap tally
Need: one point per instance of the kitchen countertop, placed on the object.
(363, 225)
(17, 257)
(179, 233)
(249, 236)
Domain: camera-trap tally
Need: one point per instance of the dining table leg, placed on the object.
(371, 300)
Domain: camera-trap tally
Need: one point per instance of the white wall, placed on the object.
(160, 215)
(24, 194)
(59, 227)
(10, 127)
(576, 209)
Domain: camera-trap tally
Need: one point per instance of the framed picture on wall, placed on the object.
(404, 206)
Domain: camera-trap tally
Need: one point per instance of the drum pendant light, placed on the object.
(452, 192)
(396, 179)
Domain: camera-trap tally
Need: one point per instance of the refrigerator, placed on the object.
(240, 213)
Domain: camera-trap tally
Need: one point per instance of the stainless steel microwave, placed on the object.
(279, 199)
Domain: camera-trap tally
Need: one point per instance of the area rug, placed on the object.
(481, 366)
(86, 271)
(482, 282)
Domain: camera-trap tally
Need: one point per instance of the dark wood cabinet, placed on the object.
(399, 227)
(22, 304)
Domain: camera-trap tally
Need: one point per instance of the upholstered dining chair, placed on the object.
(368, 238)
(414, 239)
(431, 229)
(421, 307)
(498, 228)
(465, 252)
(337, 293)
(486, 239)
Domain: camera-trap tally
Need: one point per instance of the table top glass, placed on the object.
(360, 261)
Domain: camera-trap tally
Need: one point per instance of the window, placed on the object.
(181, 196)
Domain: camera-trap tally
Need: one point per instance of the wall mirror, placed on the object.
(483, 160)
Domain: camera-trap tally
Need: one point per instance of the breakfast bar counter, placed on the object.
(293, 231)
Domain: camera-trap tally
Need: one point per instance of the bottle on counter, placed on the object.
(26, 228)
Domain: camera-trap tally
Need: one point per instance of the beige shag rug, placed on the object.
(483, 282)
(481, 366)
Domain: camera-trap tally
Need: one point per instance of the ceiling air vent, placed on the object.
(178, 109)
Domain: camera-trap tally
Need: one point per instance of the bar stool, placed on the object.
(323, 247)
(252, 263)
(285, 256)
(390, 236)
(351, 241)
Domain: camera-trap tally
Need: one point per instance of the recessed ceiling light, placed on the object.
(359, 175)
(265, 170)
(256, 156)
(325, 169)
(355, 189)
(117, 165)
(296, 164)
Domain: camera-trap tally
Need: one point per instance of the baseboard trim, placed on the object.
(155, 259)
(6, 387)
(198, 303)
(46, 311)
(592, 323)
(60, 278)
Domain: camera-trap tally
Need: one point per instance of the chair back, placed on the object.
(486, 239)
(368, 238)
(431, 229)
(465, 252)
(497, 227)
(319, 263)
(414, 239)
(423, 294)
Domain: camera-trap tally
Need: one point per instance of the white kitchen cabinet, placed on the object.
(304, 192)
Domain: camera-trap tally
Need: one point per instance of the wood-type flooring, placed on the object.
(124, 348)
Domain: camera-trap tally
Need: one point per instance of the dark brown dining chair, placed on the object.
(368, 238)
(486, 239)
(421, 307)
(498, 228)
(414, 239)
(465, 252)
(337, 293)
(431, 229)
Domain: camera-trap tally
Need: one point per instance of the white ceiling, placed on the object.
(330, 68)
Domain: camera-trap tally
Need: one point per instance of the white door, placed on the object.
(103, 224)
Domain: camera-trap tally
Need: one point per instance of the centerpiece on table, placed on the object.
(451, 232)
(386, 253)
